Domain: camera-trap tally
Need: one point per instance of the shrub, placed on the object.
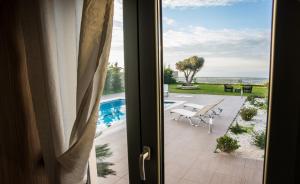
(251, 99)
(258, 139)
(168, 76)
(248, 113)
(227, 144)
(238, 129)
(261, 105)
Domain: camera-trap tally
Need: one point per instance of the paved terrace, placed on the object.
(189, 151)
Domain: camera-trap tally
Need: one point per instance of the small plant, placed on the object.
(251, 98)
(238, 129)
(103, 152)
(227, 144)
(248, 113)
(260, 103)
(103, 168)
(258, 139)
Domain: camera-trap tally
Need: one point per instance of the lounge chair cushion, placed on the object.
(184, 112)
(195, 106)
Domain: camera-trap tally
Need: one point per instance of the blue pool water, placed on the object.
(114, 110)
(111, 111)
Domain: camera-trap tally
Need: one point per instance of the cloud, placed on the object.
(199, 3)
(168, 21)
(118, 13)
(228, 52)
(222, 42)
(117, 33)
(117, 45)
(231, 67)
(199, 35)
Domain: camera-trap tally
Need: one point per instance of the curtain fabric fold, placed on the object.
(95, 40)
(65, 81)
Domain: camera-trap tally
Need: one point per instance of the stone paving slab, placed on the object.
(189, 151)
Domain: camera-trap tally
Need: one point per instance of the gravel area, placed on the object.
(247, 149)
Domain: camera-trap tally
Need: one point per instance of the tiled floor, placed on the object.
(189, 151)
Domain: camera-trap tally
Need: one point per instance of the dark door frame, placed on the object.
(132, 87)
(143, 75)
(150, 48)
(282, 155)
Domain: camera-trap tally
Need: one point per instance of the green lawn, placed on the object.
(217, 89)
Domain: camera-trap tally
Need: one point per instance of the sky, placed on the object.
(233, 36)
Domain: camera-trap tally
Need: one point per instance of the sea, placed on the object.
(228, 80)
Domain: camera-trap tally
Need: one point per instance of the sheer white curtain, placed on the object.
(67, 45)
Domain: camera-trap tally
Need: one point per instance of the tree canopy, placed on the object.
(114, 80)
(190, 67)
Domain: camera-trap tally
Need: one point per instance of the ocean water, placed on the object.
(228, 80)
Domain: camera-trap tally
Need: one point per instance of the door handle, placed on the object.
(144, 156)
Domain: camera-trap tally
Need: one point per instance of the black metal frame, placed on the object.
(282, 153)
(144, 98)
(132, 87)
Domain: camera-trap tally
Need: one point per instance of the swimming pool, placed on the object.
(111, 111)
(114, 110)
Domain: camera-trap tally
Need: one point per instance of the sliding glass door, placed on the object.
(217, 68)
(201, 115)
(144, 77)
(129, 143)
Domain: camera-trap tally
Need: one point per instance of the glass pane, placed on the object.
(111, 139)
(216, 75)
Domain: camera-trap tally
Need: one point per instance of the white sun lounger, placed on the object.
(195, 115)
(198, 107)
(199, 115)
(194, 106)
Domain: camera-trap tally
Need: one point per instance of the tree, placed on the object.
(190, 67)
(107, 85)
(116, 84)
(113, 81)
(168, 76)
